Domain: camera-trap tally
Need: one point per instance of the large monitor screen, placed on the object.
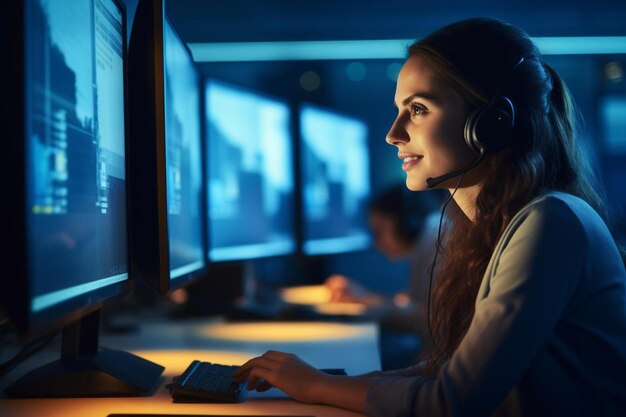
(250, 174)
(183, 156)
(335, 175)
(75, 176)
(67, 250)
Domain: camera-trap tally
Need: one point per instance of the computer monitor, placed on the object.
(167, 217)
(250, 174)
(335, 181)
(64, 216)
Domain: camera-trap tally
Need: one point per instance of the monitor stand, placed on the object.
(256, 302)
(86, 371)
(250, 284)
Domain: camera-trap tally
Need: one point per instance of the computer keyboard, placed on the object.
(207, 382)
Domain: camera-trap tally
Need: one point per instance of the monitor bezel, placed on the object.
(150, 249)
(16, 299)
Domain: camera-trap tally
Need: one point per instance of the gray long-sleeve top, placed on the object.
(548, 336)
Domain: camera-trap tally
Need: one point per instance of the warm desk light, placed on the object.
(283, 332)
(340, 309)
(306, 295)
(319, 297)
(177, 360)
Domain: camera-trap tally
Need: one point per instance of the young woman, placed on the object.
(529, 310)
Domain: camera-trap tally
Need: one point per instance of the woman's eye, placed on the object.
(417, 110)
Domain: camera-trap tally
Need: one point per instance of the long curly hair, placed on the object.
(477, 59)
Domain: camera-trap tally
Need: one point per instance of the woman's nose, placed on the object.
(397, 135)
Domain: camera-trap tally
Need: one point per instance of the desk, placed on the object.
(175, 344)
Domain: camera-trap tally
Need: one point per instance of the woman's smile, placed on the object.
(409, 160)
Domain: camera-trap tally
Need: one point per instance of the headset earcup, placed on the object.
(469, 132)
(490, 128)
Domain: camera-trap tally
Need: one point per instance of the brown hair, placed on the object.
(476, 58)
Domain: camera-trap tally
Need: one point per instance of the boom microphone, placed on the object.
(432, 182)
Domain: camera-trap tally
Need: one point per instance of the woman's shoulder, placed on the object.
(556, 217)
(552, 230)
(559, 207)
(559, 200)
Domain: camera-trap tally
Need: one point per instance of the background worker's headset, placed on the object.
(488, 129)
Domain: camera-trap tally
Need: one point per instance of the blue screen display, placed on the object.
(250, 174)
(613, 117)
(335, 179)
(75, 149)
(183, 156)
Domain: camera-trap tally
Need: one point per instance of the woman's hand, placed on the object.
(284, 371)
(302, 382)
(339, 286)
(344, 290)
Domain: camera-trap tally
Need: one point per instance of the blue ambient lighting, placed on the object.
(379, 49)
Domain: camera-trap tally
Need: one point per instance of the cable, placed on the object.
(27, 351)
(432, 267)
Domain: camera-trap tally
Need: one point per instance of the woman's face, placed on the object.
(428, 130)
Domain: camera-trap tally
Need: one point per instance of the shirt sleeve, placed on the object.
(528, 284)
(415, 370)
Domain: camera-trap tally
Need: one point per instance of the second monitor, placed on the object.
(335, 173)
(250, 174)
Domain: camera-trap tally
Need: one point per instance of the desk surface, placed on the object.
(175, 344)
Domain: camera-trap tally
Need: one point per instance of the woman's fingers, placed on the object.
(258, 378)
(269, 360)
(277, 356)
(241, 372)
(264, 386)
(257, 383)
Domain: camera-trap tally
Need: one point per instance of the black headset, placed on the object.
(488, 130)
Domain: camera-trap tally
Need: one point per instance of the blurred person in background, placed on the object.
(404, 225)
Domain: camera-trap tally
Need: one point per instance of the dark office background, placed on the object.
(364, 89)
